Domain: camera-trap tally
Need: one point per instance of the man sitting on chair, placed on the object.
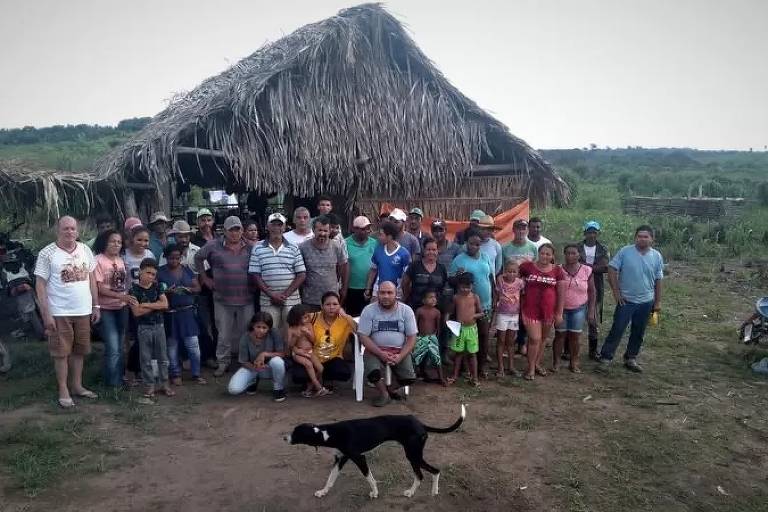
(388, 331)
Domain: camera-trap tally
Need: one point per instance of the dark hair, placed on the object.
(428, 291)
(148, 263)
(333, 219)
(323, 220)
(645, 227)
(465, 278)
(100, 244)
(427, 240)
(470, 232)
(170, 248)
(136, 230)
(296, 313)
(570, 246)
(389, 229)
(329, 294)
(324, 198)
(550, 247)
(261, 317)
(535, 219)
(103, 217)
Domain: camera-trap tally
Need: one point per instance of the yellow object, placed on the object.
(654, 320)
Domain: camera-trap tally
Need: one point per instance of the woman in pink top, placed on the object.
(579, 304)
(112, 282)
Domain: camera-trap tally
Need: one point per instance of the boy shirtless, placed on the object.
(467, 310)
(427, 347)
(301, 343)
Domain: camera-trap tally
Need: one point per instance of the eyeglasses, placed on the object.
(327, 336)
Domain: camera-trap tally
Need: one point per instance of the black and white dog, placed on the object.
(353, 438)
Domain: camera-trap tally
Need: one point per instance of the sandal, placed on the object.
(449, 381)
(528, 376)
(169, 392)
(199, 380)
(66, 403)
(473, 383)
(541, 372)
(321, 392)
(307, 393)
(86, 393)
(575, 369)
(500, 375)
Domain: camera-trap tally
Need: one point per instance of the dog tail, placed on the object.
(453, 427)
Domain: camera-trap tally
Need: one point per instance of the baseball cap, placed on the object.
(204, 211)
(180, 226)
(232, 222)
(520, 222)
(277, 216)
(438, 223)
(416, 211)
(361, 222)
(158, 217)
(398, 214)
(131, 222)
(476, 215)
(593, 224)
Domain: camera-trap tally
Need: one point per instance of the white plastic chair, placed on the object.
(357, 379)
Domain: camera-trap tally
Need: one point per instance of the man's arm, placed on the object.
(657, 295)
(371, 347)
(42, 301)
(343, 271)
(95, 312)
(410, 342)
(369, 282)
(591, 299)
(600, 265)
(613, 280)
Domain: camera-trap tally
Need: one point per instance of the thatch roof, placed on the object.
(24, 186)
(348, 104)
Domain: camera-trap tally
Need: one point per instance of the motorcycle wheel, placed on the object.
(5, 359)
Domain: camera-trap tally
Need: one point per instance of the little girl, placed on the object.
(301, 343)
(508, 288)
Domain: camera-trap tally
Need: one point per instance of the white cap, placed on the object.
(398, 214)
(277, 216)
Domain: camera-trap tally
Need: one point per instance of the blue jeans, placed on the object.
(244, 377)
(112, 327)
(638, 315)
(193, 352)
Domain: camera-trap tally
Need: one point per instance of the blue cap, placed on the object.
(593, 224)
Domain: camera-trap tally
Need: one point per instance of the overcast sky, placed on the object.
(560, 74)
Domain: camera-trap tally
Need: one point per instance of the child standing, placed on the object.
(466, 306)
(150, 331)
(427, 347)
(508, 288)
(301, 344)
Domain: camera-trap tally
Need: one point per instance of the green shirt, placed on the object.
(359, 261)
(520, 253)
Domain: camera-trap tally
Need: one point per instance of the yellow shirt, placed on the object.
(331, 340)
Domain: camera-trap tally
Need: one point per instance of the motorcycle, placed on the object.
(756, 326)
(17, 280)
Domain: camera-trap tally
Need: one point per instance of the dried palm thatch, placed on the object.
(24, 187)
(348, 105)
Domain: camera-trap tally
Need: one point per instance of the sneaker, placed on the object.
(381, 401)
(221, 369)
(278, 395)
(253, 388)
(631, 365)
(603, 365)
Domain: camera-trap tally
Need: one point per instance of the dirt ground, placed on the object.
(689, 434)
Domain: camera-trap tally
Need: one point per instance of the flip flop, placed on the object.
(87, 394)
(66, 403)
(528, 377)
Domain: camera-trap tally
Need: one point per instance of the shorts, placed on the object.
(467, 340)
(427, 347)
(73, 336)
(573, 320)
(507, 322)
(373, 367)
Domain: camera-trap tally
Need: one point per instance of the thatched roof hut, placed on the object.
(346, 106)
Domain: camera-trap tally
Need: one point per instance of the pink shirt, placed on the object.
(112, 273)
(509, 296)
(577, 286)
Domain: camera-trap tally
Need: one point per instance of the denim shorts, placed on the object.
(573, 320)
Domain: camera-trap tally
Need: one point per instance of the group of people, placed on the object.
(288, 304)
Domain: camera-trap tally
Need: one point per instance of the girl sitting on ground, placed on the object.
(301, 344)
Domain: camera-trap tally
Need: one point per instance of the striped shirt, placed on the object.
(277, 268)
(230, 271)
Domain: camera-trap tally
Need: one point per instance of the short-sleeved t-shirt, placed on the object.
(493, 250)
(330, 340)
(146, 296)
(67, 279)
(482, 271)
(509, 296)
(423, 280)
(520, 253)
(277, 268)
(541, 241)
(411, 244)
(322, 275)
(390, 266)
(638, 273)
(388, 327)
(445, 255)
(296, 239)
(359, 261)
(111, 273)
(577, 291)
(133, 262)
(249, 350)
(540, 290)
(230, 271)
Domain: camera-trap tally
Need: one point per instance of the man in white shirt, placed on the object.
(535, 226)
(301, 231)
(68, 298)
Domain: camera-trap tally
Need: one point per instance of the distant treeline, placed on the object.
(68, 133)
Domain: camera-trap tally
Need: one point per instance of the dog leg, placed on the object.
(337, 465)
(372, 481)
(412, 490)
(362, 464)
(435, 484)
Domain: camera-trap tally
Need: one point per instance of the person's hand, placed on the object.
(278, 299)
(619, 299)
(259, 361)
(592, 317)
(559, 319)
(131, 300)
(95, 315)
(656, 307)
(367, 293)
(342, 297)
(207, 282)
(50, 325)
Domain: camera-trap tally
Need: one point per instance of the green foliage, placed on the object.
(68, 133)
